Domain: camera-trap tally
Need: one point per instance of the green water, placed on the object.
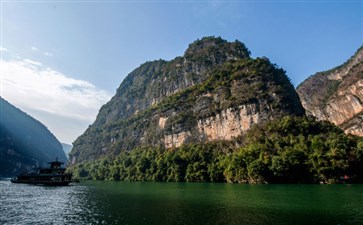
(125, 203)
(195, 203)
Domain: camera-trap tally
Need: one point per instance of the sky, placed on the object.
(62, 60)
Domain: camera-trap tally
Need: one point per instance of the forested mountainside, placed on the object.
(287, 150)
(213, 115)
(214, 92)
(336, 95)
(24, 142)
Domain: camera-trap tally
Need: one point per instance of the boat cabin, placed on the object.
(55, 164)
(54, 175)
(55, 168)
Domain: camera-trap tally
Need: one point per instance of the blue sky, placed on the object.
(84, 49)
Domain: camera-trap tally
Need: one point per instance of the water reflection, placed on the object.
(180, 203)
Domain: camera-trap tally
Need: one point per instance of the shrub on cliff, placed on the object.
(288, 150)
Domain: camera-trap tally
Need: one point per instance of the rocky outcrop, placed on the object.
(149, 84)
(337, 95)
(230, 123)
(214, 92)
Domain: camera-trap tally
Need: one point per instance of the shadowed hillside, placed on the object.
(24, 142)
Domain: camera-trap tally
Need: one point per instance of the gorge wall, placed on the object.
(216, 91)
(337, 95)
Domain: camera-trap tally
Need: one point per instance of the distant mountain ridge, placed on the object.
(336, 95)
(216, 91)
(67, 148)
(24, 142)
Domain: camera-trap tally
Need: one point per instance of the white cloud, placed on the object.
(32, 63)
(47, 54)
(47, 93)
(2, 49)
(34, 48)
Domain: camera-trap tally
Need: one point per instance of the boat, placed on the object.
(55, 175)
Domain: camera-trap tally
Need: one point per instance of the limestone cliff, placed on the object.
(153, 81)
(214, 92)
(337, 95)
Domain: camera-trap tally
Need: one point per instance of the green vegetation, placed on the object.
(236, 83)
(210, 50)
(288, 150)
(213, 75)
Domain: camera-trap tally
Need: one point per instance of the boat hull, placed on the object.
(46, 183)
(48, 180)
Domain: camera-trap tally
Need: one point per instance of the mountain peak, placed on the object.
(214, 92)
(204, 43)
(217, 47)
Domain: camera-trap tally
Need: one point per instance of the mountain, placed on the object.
(336, 95)
(292, 149)
(215, 91)
(67, 148)
(24, 142)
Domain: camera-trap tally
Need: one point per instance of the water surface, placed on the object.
(180, 203)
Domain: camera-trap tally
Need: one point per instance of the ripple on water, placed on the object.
(180, 203)
(28, 204)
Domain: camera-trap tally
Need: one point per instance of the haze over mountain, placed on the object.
(67, 148)
(24, 142)
(215, 91)
(336, 95)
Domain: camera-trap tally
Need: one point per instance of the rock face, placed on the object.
(24, 142)
(149, 84)
(66, 148)
(214, 92)
(337, 95)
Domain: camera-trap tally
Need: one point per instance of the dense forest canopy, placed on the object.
(289, 150)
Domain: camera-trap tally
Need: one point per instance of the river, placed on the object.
(180, 203)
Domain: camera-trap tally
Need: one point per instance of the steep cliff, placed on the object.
(24, 142)
(337, 95)
(153, 81)
(214, 92)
